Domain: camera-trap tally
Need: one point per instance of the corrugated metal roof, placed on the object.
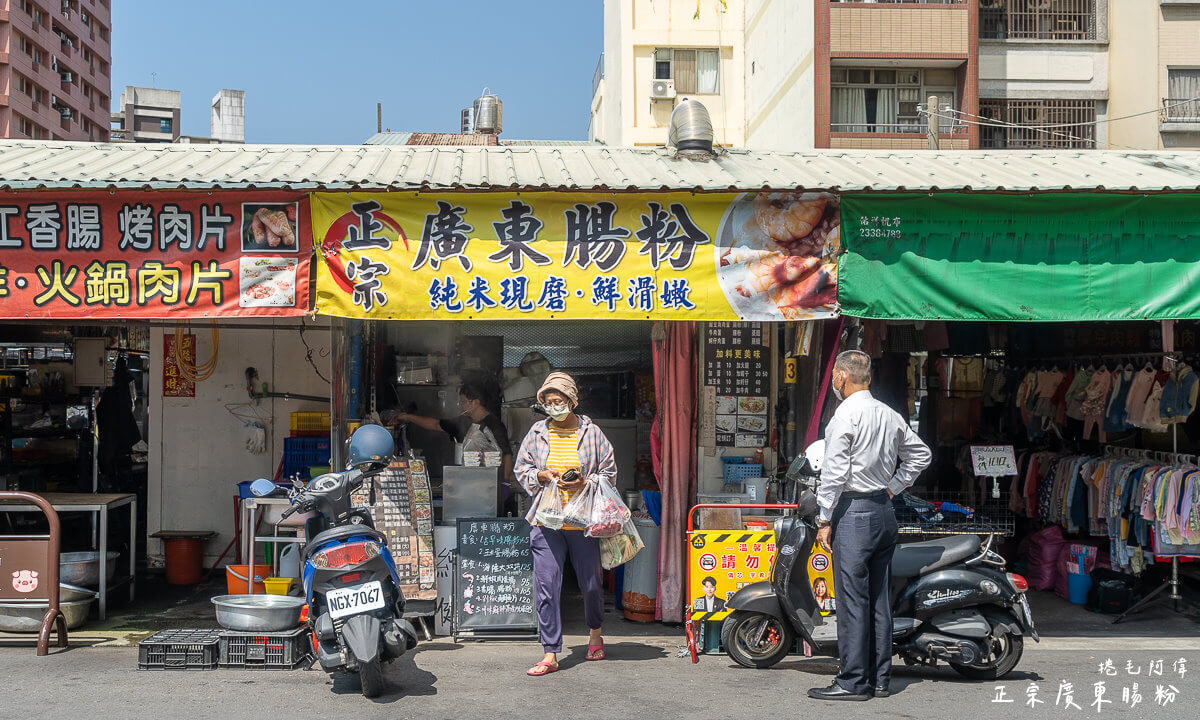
(42, 165)
(455, 139)
(388, 138)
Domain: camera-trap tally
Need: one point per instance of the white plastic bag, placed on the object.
(547, 510)
(620, 548)
(609, 513)
(578, 512)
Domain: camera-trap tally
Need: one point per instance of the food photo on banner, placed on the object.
(153, 254)
(753, 256)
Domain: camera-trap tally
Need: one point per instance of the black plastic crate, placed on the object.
(179, 650)
(271, 651)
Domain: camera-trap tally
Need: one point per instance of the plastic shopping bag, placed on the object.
(547, 509)
(620, 548)
(609, 513)
(578, 512)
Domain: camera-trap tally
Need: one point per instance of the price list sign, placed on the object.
(737, 366)
(403, 513)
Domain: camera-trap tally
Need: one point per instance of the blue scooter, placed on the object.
(355, 604)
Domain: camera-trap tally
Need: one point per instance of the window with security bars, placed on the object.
(1182, 103)
(1037, 19)
(1033, 124)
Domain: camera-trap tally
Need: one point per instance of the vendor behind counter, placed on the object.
(474, 412)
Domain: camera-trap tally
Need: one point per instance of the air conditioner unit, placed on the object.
(83, 16)
(65, 113)
(54, 63)
(66, 76)
(662, 89)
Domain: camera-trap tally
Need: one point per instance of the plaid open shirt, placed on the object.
(595, 455)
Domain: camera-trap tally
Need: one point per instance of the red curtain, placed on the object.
(674, 455)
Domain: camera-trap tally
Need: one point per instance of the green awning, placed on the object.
(1050, 256)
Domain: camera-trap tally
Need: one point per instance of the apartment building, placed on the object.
(658, 52)
(55, 69)
(1155, 48)
(152, 115)
(859, 73)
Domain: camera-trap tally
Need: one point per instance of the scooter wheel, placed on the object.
(371, 677)
(755, 640)
(1005, 654)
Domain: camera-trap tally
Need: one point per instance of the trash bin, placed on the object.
(184, 551)
(640, 590)
(1078, 585)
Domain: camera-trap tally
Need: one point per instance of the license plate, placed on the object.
(354, 600)
(1028, 616)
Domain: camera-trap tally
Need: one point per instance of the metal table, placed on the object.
(250, 508)
(100, 504)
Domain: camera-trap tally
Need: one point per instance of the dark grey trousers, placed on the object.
(864, 538)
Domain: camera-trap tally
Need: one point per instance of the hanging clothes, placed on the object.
(1179, 395)
(1115, 414)
(1095, 402)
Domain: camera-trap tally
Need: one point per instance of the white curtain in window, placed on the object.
(706, 72)
(849, 108)
(885, 108)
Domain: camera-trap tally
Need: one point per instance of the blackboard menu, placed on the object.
(494, 579)
(737, 366)
(404, 514)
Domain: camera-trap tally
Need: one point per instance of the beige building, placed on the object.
(1156, 64)
(857, 73)
(657, 52)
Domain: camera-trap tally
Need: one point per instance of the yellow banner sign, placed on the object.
(503, 256)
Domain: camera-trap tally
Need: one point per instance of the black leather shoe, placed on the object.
(835, 692)
(882, 691)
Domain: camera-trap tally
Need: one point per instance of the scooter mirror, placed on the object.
(262, 487)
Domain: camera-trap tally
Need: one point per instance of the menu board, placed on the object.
(493, 582)
(737, 365)
(404, 514)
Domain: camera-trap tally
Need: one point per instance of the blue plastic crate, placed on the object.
(299, 454)
(738, 473)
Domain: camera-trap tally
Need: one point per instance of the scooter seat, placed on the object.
(912, 559)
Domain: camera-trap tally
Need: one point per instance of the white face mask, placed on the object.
(557, 412)
(836, 393)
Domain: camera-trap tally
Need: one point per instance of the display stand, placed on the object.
(1172, 583)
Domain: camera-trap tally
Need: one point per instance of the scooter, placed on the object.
(951, 599)
(355, 604)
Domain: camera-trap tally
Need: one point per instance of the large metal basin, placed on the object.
(23, 617)
(258, 613)
(83, 568)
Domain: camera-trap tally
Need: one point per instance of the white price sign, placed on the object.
(993, 460)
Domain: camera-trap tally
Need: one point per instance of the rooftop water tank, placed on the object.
(488, 113)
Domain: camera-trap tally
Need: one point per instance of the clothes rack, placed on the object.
(1172, 584)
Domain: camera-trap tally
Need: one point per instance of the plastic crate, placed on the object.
(738, 473)
(310, 422)
(180, 650)
(266, 651)
(299, 454)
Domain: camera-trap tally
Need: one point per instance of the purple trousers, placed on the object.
(550, 551)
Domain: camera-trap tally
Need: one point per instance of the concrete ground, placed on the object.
(644, 676)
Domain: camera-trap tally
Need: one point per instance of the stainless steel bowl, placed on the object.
(75, 603)
(83, 568)
(258, 613)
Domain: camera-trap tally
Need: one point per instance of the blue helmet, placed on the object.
(371, 445)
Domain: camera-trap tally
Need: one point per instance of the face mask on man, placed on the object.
(557, 411)
(836, 393)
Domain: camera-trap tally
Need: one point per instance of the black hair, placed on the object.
(470, 391)
(709, 579)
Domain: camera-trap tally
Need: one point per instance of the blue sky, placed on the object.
(314, 77)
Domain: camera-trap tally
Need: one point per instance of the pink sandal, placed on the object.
(550, 667)
(596, 652)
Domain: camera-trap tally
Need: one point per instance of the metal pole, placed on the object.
(931, 120)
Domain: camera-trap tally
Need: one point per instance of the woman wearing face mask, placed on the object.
(563, 442)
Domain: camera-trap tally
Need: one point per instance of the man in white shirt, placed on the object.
(871, 454)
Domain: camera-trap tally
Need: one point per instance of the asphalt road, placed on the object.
(642, 678)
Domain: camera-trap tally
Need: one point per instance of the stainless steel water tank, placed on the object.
(488, 113)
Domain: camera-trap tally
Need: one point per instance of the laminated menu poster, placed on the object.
(737, 365)
(404, 514)
(494, 579)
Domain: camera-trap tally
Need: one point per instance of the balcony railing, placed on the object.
(945, 127)
(1037, 19)
(1037, 124)
(1180, 110)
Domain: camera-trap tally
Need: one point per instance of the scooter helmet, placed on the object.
(371, 448)
(815, 454)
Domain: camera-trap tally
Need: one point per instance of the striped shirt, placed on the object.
(564, 455)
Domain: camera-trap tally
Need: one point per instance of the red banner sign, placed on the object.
(153, 255)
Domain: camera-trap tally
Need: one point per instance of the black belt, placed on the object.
(854, 495)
